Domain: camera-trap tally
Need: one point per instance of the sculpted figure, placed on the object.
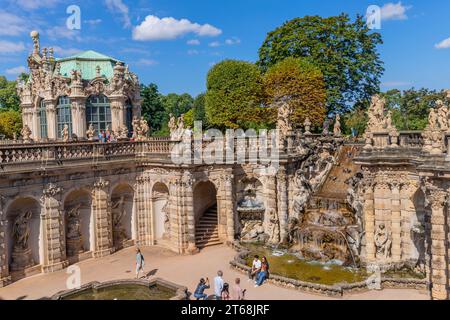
(337, 126)
(433, 119)
(73, 223)
(326, 127)
(382, 242)
(172, 127)
(166, 212)
(284, 118)
(26, 133)
(65, 133)
(118, 213)
(442, 116)
(302, 191)
(90, 133)
(274, 227)
(135, 124)
(21, 230)
(307, 124)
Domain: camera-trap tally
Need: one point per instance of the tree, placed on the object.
(10, 123)
(345, 51)
(152, 107)
(8, 94)
(411, 107)
(303, 84)
(234, 95)
(177, 104)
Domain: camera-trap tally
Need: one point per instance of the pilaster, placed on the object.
(101, 211)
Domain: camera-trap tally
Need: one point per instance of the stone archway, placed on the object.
(23, 237)
(79, 224)
(123, 216)
(206, 215)
(161, 217)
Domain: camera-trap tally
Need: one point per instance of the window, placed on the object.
(43, 120)
(129, 118)
(63, 115)
(98, 112)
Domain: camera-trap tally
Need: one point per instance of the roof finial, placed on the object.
(98, 70)
(35, 36)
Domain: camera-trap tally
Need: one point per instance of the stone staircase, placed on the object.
(207, 230)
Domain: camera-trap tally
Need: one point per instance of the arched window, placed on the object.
(98, 112)
(129, 118)
(63, 115)
(43, 120)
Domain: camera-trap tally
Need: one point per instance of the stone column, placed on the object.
(176, 223)
(228, 205)
(282, 205)
(144, 223)
(117, 114)
(50, 107)
(188, 212)
(439, 254)
(35, 125)
(406, 211)
(78, 107)
(54, 257)
(101, 212)
(396, 222)
(4, 268)
(369, 222)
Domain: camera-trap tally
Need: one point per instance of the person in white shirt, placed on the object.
(218, 285)
(256, 268)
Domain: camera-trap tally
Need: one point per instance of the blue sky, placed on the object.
(176, 54)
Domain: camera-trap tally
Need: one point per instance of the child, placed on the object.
(226, 292)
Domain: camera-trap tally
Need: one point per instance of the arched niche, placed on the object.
(123, 216)
(161, 217)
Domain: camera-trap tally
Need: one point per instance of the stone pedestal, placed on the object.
(21, 259)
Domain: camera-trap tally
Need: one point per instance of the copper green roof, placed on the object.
(87, 63)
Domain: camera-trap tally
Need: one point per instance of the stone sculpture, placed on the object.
(301, 194)
(65, 133)
(337, 127)
(74, 242)
(172, 127)
(90, 133)
(118, 212)
(383, 243)
(273, 227)
(284, 123)
(326, 127)
(26, 134)
(21, 255)
(166, 211)
(307, 124)
(140, 129)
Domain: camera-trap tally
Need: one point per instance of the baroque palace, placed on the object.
(65, 196)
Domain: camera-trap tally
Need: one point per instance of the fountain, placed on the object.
(251, 215)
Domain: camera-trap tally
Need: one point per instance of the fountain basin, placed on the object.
(156, 289)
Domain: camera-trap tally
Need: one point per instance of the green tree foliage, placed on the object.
(177, 104)
(152, 107)
(8, 94)
(345, 51)
(234, 95)
(303, 84)
(411, 107)
(10, 123)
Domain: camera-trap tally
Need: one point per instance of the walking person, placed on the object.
(140, 263)
(256, 268)
(218, 285)
(263, 274)
(199, 293)
(236, 292)
(226, 292)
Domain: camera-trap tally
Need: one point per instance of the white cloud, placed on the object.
(117, 6)
(154, 28)
(16, 71)
(35, 4)
(93, 22)
(214, 44)
(11, 47)
(444, 44)
(232, 41)
(11, 25)
(394, 11)
(147, 62)
(193, 42)
(65, 52)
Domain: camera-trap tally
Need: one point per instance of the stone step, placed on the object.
(209, 244)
